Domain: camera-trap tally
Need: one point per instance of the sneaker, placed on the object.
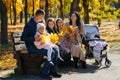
(51, 63)
(45, 76)
(56, 75)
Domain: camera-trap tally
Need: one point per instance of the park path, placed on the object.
(91, 73)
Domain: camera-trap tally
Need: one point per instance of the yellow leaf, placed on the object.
(54, 38)
(61, 34)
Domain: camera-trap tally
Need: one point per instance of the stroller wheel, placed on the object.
(108, 63)
(98, 63)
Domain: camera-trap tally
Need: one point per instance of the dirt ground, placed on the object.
(91, 73)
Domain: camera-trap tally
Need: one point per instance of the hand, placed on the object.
(37, 39)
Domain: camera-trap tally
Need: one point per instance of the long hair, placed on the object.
(57, 27)
(47, 26)
(77, 20)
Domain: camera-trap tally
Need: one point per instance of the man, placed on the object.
(28, 36)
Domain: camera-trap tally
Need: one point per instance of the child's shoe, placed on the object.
(51, 63)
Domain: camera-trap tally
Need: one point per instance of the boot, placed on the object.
(75, 60)
(83, 63)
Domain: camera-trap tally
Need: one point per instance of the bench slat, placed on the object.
(16, 34)
(17, 40)
(19, 47)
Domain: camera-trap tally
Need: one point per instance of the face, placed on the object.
(59, 23)
(39, 18)
(41, 30)
(51, 24)
(73, 17)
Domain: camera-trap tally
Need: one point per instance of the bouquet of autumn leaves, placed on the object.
(54, 38)
(69, 30)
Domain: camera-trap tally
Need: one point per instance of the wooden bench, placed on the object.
(29, 64)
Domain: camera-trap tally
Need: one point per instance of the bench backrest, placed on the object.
(18, 45)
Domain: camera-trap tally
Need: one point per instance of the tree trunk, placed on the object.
(74, 6)
(61, 9)
(46, 9)
(119, 25)
(21, 16)
(14, 11)
(4, 22)
(86, 11)
(33, 9)
(25, 11)
(10, 15)
(99, 22)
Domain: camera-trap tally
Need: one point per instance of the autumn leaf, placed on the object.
(61, 34)
(45, 38)
(64, 29)
(54, 38)
(72, 29)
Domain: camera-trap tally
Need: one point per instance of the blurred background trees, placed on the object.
(20, 11)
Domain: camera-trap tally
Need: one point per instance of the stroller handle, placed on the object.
(95, 39)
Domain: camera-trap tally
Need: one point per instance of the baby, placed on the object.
(48, 45)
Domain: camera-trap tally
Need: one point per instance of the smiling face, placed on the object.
(59, 23)
(41, 30)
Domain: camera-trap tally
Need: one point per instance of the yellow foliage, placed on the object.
(54, 38)
(61, 34)
(69, 30)
(19, 6)
(72, 29)
(45, 38)
(64, 29)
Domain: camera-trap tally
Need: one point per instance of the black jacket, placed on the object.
(50, 30)
(28, 36)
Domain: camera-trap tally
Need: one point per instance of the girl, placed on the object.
(51, 26)
(59, 24)
(46, 45)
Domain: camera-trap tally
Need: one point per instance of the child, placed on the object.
(46, 45)
(51, 28)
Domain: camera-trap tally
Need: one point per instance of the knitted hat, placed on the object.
(40, 25)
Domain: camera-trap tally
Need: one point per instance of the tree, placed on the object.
(14, 11)
(61, 9)
(86, 11)
(25, 9)
(4, 22)
(74, 6)
(46, 9)
(21, 16)
(33, 9)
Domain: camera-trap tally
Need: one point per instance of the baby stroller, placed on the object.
(95, 47)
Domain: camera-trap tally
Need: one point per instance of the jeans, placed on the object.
(47, 68)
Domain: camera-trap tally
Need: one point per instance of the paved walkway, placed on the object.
(91, 73)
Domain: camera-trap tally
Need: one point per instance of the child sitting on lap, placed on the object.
(46, 44)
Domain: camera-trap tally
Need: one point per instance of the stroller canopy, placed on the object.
(91, 30)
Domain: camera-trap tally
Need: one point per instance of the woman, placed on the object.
(76, 40)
